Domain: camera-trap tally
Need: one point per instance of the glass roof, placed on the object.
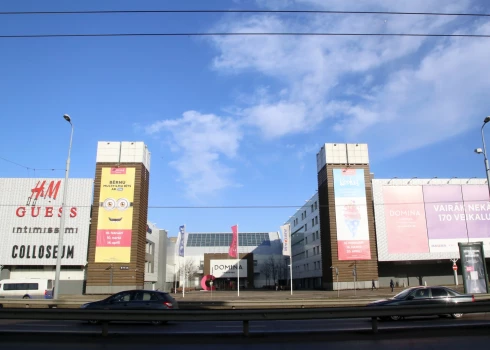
(250, 239)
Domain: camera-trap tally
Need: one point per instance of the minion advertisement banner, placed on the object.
(114, 226)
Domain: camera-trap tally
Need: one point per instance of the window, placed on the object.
(439, 293)
(306, 240)
(421, 294)
(21, 286)
(317, 235)
(316, 220)
(306, 253)
(312, 208)
(312, 222)
(306, 227)
(256, 263)
(145, 296)
(316, 205)
(121, 297)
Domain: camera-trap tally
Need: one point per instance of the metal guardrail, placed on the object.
(209, 304)
(245, 316)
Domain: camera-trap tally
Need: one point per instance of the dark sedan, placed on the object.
(417, 296)
(134, 300)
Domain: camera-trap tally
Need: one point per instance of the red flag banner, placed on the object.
(234, 242)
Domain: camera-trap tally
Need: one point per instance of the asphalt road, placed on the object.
(256, 327)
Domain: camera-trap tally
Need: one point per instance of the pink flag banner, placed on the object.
(232, 252)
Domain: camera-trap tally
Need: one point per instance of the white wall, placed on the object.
(73, 275)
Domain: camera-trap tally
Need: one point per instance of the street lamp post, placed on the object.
(337, 274)
(63, 215)
(479, 150)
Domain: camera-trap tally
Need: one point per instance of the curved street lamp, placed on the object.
(63, 215)
(479, 150)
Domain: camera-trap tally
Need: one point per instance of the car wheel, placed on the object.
(93, 321)
(395, 318)
(456, 315)
(26, 297)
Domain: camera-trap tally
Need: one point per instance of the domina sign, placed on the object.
(228, 268)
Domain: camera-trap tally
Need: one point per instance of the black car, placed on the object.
(417, 296)
(134, 300)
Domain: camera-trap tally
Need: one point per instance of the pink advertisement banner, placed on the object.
(405, 219)
(434, 218)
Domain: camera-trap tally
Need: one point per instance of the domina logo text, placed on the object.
(226, 267)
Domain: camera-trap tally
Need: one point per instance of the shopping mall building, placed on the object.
(108, 245)
(354, 230)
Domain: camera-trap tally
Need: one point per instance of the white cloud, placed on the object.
(398, 84)
(202, 140)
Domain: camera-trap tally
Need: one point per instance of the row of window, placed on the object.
(317, 266)
(315, 235)
(316, 251)
(314, 207)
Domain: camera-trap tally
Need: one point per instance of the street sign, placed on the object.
(455, 267)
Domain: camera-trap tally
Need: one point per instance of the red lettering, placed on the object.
(20, 212)
(38, 190)
(73, 212)
(52, 191)
(60, 210)
(49, 212)
(34, 213)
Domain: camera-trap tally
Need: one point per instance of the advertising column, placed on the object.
(115, 221)
(474, 268)
(351, 214)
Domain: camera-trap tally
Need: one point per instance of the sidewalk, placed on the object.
(262, 295)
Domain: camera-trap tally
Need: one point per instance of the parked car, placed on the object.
(417, 296)
(134, 300)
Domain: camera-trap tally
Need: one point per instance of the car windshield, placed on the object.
(403, 294)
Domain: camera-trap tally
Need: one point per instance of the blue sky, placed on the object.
(238, 120)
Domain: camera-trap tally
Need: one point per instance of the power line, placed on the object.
(240, 34)
(26, 167)
(92, 12)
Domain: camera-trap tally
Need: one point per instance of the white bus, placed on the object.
(31, 288)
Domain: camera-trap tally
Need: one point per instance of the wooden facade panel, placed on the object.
(98, 274)
(366, 269)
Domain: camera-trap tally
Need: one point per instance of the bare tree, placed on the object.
(265, 269)
(274, 269)
(282, 268)
(187, 271)
(190, 269)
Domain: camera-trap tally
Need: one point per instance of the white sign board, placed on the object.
(30, 212)
(228, 268)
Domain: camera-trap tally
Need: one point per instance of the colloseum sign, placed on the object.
(30, 212)
(228, 268)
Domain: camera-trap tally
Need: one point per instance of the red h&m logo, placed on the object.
(43, 191)
(117, 171)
